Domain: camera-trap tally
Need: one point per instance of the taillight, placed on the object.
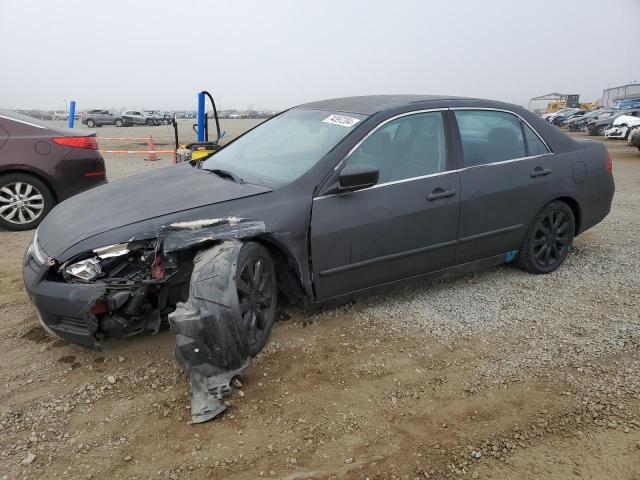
(77, 142)
(608, 166)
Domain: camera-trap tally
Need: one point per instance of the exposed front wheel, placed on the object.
(256, 288)
(24, 201)
(548, 240)
(119, 123)
(91, 123)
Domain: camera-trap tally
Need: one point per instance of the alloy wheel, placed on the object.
(551, 239)
(20, 203)
(255, 298)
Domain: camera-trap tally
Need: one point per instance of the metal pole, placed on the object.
(72, 113)
(201, 119)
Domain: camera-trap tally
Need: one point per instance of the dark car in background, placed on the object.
(600, 125)
(577, 124)
(562, 120)
(40, 166)
(98, 118)
(322, 202)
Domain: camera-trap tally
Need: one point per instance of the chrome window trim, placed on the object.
(512, 113)
(446, 172)
(386, 184)
(501, 162)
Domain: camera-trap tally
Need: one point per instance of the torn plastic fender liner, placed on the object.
(180, 236)
(210, 342)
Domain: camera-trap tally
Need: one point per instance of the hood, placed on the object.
(627, 119)
(134, 199)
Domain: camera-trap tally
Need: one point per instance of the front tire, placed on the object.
(119, 123)
(24, 201)
(91, 123)
(548, 240)
(256, 289)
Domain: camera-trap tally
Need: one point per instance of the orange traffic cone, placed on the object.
(152, 149)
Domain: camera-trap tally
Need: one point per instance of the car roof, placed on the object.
(21, 118)
(370, 104)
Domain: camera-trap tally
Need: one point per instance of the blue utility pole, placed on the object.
(72, 113)
(201, 119)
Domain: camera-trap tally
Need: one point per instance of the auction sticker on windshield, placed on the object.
(341, 120)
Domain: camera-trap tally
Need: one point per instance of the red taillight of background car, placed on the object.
(89, 143)
(608, 166)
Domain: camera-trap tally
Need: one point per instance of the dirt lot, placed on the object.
(499, 374)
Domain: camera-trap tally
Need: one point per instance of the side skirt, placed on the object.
(448, 272)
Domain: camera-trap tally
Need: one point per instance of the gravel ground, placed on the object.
(499, 374)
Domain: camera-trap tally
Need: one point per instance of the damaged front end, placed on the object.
(183, 276)
(140, 286)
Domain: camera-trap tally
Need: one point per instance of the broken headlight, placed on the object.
(87, 269)
(90, 268)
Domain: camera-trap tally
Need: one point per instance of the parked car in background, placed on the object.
(601, 114)
(551, 115)
(139, 117)
(600, 125)
(98, 118)
(164, 118)
(575, 124)
(41, 166)
(622, 126)
(561, 115)
(560, 120)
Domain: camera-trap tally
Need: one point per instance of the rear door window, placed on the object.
(489, 136)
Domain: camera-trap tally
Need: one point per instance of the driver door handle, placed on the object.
(440, 193)
(540, 172)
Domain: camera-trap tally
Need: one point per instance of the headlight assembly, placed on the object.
(90, 268)
(87, 269)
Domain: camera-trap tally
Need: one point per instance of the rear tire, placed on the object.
(549, 239)
(119, 123)
(24, 201)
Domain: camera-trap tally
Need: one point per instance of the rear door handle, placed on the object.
(540, 172)
(440, 193)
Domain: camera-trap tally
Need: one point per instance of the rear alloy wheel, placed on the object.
(24, 201)
(257, 294)
(119, 123)
(548, 240)
(91, 123)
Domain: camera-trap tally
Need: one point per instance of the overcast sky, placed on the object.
(276, 53)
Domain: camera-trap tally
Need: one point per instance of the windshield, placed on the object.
(285, 147)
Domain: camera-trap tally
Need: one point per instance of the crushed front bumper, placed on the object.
(64, 309)
(617, 132)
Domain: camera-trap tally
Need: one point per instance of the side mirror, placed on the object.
(357, 177)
